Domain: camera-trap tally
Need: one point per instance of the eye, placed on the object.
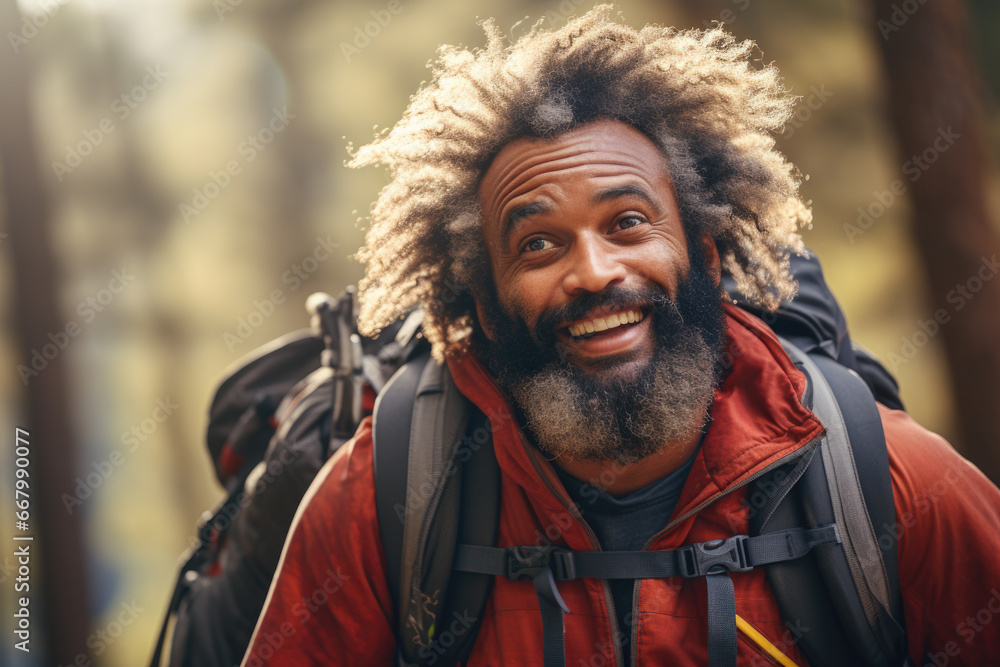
(630, 221)
(537, 244)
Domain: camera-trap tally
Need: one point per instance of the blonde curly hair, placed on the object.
(694, 93)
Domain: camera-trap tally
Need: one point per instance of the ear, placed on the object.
(712, 262)
(484, 322)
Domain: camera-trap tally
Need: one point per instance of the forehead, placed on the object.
(607, 149)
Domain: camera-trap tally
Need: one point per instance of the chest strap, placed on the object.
(714, 560)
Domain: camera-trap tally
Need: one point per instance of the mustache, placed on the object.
(612, 298)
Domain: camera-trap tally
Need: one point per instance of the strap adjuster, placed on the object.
(715, 557)
(528, 562)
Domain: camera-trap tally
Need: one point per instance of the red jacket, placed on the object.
(330, 602)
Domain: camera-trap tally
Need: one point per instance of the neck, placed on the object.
(620, 480)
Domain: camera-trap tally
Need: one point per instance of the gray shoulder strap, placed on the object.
(420, 421)
(857, 495)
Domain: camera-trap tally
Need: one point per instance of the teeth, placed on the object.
(605, 323)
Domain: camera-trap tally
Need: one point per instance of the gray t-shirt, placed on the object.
(627, 523)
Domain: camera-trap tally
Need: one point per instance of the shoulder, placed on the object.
(343, 493)
(329, 596)
(948, 534)
(925, 468)
(336, 523)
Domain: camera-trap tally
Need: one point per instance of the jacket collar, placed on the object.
(757, 418)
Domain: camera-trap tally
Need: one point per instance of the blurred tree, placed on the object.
(934, 93)
(137, 195)
(59, 565)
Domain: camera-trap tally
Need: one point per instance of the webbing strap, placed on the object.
(721, 620)
(547, 564)
(552, 606)
(735, 554)
(856, 470)
(391, 438)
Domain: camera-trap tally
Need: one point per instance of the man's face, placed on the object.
(603, 332)
(569, 217)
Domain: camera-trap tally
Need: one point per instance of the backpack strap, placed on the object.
(391, 445)
(547, 564)
(436, 481)
(849, 484)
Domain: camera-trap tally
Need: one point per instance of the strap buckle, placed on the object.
(715, 557)
(528, 562)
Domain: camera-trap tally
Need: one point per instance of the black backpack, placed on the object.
(276, 417)
(815, 518)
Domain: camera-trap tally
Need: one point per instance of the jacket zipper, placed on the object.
(633, 655)
(612, 613)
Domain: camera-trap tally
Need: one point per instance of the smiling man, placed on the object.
(589, 257)
(587, 187)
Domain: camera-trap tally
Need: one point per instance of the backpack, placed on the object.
(275, 418)
(814, 517)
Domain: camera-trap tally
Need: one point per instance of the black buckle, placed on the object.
(716, 557)
(527, 562)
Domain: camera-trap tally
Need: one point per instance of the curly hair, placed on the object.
(694, 93)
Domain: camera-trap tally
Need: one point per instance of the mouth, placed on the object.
(589, 328)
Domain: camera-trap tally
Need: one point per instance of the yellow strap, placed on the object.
(761, 640)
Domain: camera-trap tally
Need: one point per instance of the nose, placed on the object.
(592, 267)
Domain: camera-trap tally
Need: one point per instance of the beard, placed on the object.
(609, 416)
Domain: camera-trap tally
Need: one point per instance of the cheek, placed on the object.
(525, 300)
(661, 263)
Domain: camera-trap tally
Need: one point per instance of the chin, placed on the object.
(618, 371)
(624, 365)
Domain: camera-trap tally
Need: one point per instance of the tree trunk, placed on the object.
(58, 563)
(933, 92)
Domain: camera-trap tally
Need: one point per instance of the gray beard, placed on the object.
(604, 416)
(668, 406)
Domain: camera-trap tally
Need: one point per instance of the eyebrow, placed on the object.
(509, 222)
(631, 190)
(518, 214)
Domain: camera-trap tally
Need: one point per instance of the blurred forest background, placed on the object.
(170, 168)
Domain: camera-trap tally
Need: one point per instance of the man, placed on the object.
(563, 209)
